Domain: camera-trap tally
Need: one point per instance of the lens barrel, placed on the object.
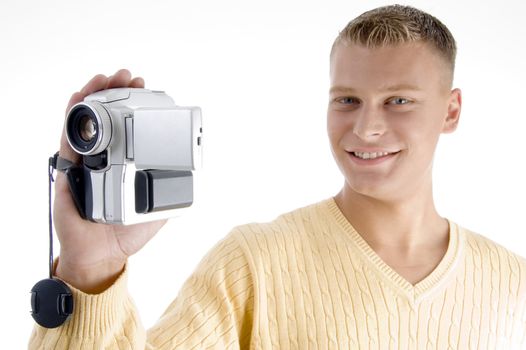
(88, 128)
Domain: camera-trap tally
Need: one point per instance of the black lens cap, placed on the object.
(51, 302)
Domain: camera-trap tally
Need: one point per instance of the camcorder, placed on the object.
(138, 153)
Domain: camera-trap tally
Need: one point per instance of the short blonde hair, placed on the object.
(396, 24)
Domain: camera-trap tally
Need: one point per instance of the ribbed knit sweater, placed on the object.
(308, 280)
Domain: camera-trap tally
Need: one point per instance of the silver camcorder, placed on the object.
(139, 150)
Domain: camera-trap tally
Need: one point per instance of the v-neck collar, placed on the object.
(430, 284)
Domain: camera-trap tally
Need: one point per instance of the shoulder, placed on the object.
(488, 249)
(497, 262)
(293, 223)
(292, 234)
(251, 239)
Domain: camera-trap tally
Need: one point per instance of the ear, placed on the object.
(453, 111)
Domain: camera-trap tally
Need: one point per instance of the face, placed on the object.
(387, 109)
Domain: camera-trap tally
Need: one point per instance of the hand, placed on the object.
(93, 255)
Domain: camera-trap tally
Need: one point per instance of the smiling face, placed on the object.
(387, 109)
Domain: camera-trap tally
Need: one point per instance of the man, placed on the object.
(374, 267)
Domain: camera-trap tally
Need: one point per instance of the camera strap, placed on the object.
(59, 163)
(51, 298)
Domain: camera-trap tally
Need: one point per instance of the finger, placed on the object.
(66, 151)
(137, 82)
(142, 233)
(75, 98)
(97, 83)
(121, 78)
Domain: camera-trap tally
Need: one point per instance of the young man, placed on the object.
(374, 267)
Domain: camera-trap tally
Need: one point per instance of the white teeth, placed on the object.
(370, 155)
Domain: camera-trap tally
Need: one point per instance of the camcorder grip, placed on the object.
(75, 176)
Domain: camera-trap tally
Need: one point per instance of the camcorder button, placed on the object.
(96, 162)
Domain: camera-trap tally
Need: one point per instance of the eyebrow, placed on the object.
(391, 88)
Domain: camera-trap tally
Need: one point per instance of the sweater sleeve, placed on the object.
(108, 320)
(212, 311)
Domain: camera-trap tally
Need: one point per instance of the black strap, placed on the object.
(50, 213)
(51, 299)
(59, 163)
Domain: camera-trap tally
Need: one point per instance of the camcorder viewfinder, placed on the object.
(138, 153)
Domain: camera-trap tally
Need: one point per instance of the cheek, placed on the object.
(333, 130)
(337, 126)
(421, 135)
(431, 128)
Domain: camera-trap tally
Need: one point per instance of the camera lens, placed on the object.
(88, 128)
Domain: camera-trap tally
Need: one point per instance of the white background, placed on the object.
(259, 71)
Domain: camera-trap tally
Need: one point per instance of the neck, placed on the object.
(406, 225)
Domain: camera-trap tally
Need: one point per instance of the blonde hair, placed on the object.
(396, 24)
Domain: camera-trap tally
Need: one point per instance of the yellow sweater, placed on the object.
(309, 281)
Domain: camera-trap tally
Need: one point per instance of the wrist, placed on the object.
(92, 279)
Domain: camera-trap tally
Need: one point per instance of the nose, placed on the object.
(369, 123)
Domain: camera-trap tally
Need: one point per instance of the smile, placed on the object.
(370, 155)
(371, 158)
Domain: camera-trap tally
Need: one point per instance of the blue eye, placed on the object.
(399, 101)
(347, 100)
